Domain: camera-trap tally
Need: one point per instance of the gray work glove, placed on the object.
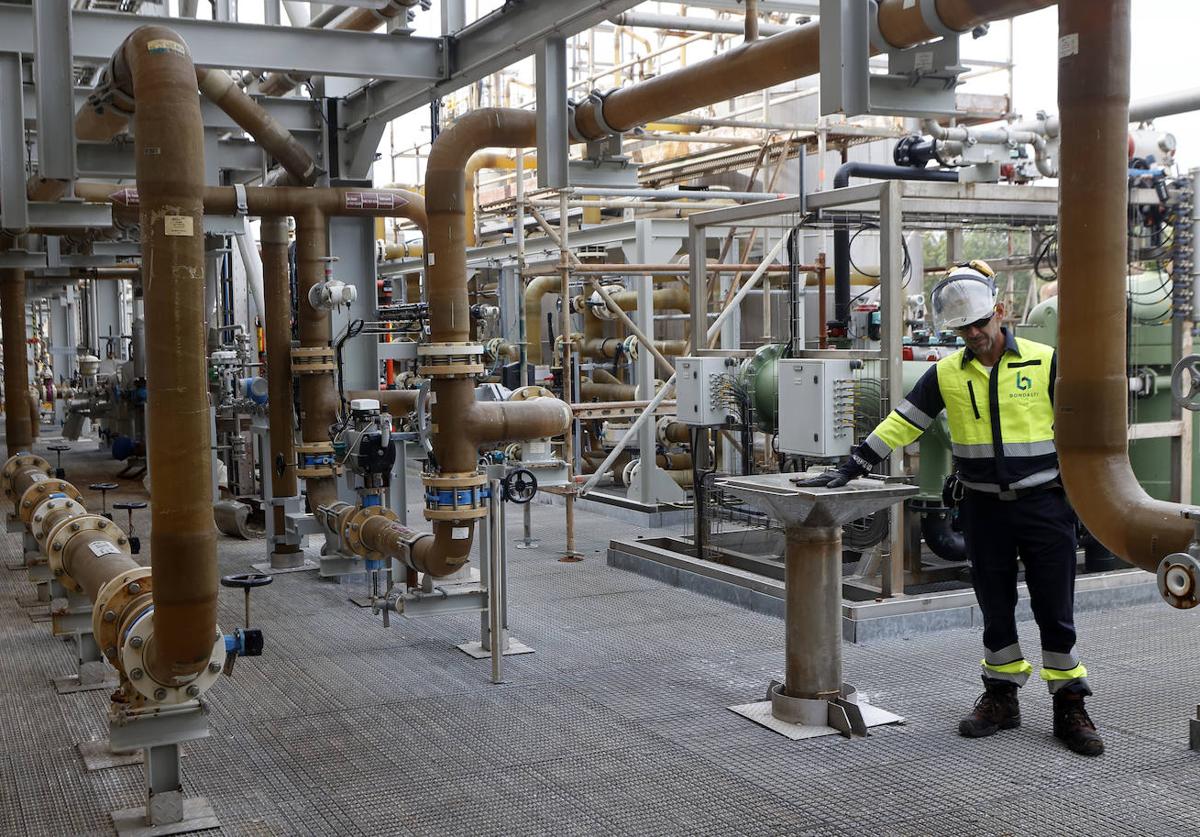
(850, 469)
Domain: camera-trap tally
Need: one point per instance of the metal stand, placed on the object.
(813, 700)
(493, 564)
(158, 733)
(93, 672)
(527, 540)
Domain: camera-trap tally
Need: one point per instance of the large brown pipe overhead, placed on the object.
(770, 61)
(277, 291)
(18, 424)
(1090, 397)
(154, 68)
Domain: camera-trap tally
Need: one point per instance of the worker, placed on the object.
(998, 394)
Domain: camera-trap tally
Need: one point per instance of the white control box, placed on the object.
(698, 400)
(816, 407)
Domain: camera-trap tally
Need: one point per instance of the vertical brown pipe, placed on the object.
(1091, 411)
(751, 20)
(169, 148)
(318, 393)
(277, 291)
(18, 424)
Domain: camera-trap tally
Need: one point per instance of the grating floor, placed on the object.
(617, 725)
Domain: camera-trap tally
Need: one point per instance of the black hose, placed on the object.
(841, 233)
(938, 531)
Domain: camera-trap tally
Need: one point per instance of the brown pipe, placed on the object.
(276, 140)
(92, 568)
(398, 402)
(277, 291)
(18, 424)
(770, 61)
(318, 395)
(486, 160)
(155, 67)
(98, 122)
(534, 291)
(751, 20)
(488, 422)
(1090, 398)
(591, 391)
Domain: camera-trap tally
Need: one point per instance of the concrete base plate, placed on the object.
(475, 649)
(198, 815)
(98, 755)
(265, 567)
(70, 684)
(760, 713)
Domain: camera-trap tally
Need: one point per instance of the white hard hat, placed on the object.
(963, 297)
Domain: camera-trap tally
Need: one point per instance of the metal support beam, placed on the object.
(491, 43)
(454, 16)
(14, 213)
(55, 80)
(553, 143)
(300, 51)
(891, 249)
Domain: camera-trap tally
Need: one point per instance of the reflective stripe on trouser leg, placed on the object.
(1007, 664)
(1061, 670)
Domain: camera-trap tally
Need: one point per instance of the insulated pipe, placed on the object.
(154, 66)
(278, 317)
(770, 61)
(253, 264)
(505, 421)
(751, 15)
(1091, 394)
(841, 233)
(18, 424)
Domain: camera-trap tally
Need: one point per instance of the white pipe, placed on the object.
(298, 13)
(1184, 101)
(626, 436)
(715, 328)
(254, 269)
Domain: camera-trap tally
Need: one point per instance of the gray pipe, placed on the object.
(677, 194)
(1183, 101)
(679, 23)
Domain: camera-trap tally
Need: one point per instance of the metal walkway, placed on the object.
(617, 725)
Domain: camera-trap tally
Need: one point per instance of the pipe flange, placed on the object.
(450, 360)
(352, 530)
(123, 596)
(18, 463)
(112, 541)
(528, 393)
(40, 492)
(40, 525)
(313, 361)
(455, 496)
(320, 462)
(1179, 580)
(134, 643)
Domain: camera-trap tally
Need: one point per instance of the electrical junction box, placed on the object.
(698, 398)
(816, 408)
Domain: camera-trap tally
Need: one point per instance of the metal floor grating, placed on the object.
(617, 725)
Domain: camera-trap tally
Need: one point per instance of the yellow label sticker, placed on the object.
(166, 45)
(177, 225)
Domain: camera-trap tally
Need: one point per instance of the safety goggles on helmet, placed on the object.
(966, 297)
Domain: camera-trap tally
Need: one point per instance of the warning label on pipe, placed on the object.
(160, 45)
(102, 548)
(373, 200)
(177, 225)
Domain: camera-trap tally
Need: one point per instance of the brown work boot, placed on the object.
(1074, 727)
(996, 709)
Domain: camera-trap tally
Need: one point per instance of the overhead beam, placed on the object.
(295, 114)
(300, 51)
(489, 44)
